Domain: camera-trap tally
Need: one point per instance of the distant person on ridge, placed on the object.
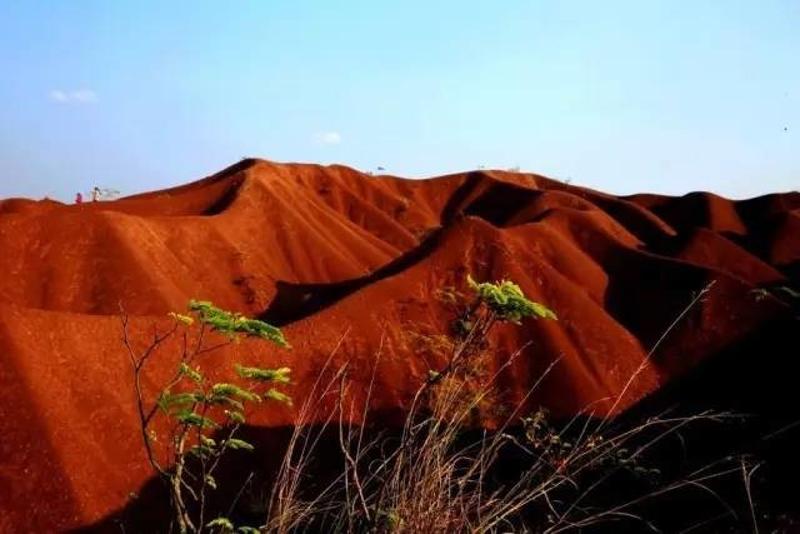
(79, 199)
(95, 194)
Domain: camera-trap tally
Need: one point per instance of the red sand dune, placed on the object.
(324, 250)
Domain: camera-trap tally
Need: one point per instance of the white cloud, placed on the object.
(328, 138)
(78, 96)
(58, 95)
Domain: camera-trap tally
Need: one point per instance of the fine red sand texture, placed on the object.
(329, 251)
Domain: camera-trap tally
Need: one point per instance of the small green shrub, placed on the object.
(508, 302)
(202, 416)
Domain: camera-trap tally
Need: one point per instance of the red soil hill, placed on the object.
(324, 251)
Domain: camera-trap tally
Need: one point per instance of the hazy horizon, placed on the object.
(621, 96)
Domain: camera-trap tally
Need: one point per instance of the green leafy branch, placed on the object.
(508, 302)
(202, 416)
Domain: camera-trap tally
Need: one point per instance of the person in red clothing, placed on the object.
(78, 199)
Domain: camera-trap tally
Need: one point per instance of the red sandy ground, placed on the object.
(268, 239)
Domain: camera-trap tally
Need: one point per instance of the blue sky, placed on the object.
(622, 96)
